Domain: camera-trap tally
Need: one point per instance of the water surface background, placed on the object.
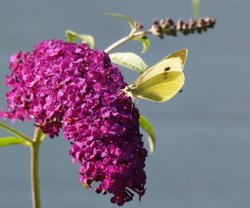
(202, 157)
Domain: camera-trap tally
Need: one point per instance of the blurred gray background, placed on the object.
(202, 157)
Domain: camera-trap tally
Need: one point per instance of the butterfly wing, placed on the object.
(161, 87)
(173, 62)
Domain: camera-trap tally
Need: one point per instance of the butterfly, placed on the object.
(162, 81)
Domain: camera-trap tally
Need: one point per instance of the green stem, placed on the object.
(38, 137)
(14, 132)
(117, 43)
(125, 39)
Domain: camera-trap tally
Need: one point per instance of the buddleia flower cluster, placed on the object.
(68, 86)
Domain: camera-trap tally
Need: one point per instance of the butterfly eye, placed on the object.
(167, 69)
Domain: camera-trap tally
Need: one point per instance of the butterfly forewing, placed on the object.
(173, 62)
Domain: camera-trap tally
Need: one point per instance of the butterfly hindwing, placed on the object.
(161, 87)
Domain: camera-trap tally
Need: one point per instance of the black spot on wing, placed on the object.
(167, 69)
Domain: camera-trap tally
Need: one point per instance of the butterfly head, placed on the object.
(129, 90)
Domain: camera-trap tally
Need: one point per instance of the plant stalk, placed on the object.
(38, 137)
(125, 39)
(117, 43)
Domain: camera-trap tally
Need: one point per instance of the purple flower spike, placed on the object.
(69, 86)
(109, 149)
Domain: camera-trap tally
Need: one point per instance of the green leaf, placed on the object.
(129, 60)
(71, 36)
(128, 19)
(5, 141)
(196, 9)
(148, 128)
(88, 39)
(145, 44)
